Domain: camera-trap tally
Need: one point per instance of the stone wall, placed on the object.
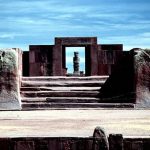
(116, 142)
(40, 60)
(50, 60)
(120, 86)
(10, 77)
(108, 55)
(130, 80)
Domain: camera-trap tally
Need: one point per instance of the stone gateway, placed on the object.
(50, 60)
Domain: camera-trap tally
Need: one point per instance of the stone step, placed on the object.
(32, 106)
(60, 88)
(64, 78)
(62, 83)
(60, 100)
(59, 93)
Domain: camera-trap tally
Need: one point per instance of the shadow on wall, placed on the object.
(121, 85)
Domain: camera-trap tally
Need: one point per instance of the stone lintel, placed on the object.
(75, 41)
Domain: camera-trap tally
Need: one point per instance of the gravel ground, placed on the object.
(74, 123)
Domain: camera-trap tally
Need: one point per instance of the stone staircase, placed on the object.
(62, 92)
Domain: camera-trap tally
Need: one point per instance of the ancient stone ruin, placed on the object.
(37, 80)
(113, 77)
(50, 60)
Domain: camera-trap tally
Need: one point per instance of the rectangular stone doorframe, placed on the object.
(91, 54)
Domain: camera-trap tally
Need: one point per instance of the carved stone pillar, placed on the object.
(76, 61)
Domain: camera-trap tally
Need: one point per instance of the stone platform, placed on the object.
(74, 123)
(38, 93)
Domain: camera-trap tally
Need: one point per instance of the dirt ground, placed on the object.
(74, 123)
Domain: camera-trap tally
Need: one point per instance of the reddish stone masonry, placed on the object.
(50, 60)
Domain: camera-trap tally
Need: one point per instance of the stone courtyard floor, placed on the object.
(74, 123)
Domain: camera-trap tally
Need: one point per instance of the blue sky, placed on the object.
(25, 22)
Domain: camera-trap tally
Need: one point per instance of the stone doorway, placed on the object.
(59, 59)
(50, 60)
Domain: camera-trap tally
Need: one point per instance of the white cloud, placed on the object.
(146, 35)
(9, 35)
(140, 40)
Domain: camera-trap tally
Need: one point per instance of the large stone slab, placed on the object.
(10, 73)
(142, 69)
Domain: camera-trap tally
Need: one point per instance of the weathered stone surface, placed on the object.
(64, 93)
(142, 68)
(130, 80)
(24, 145)
(10, 72)
(115, 142)
(107, 58)
(76, 40)
(39, 59)
(76, 61)
(101, 140)
(61, 92)
(50, 60)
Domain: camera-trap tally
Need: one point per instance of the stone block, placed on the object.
(130, 80)
(100, 140)
(115, 142)
(120, 86)
(142, 71)
(36, 69)
(75, 41)
(24, 145)
(10, 79)
(5, 144)
(32, 56)
(42, 144)
(112, 47)
(137, 145)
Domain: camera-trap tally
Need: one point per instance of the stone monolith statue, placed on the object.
(76, 61)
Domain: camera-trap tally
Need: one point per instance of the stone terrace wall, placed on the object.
(116, 142)
(10, 77)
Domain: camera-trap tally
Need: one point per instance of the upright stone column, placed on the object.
(100, 140)
(142, 72)
(76, 61)
(57, 59)
(10, 79)
(94, 60)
